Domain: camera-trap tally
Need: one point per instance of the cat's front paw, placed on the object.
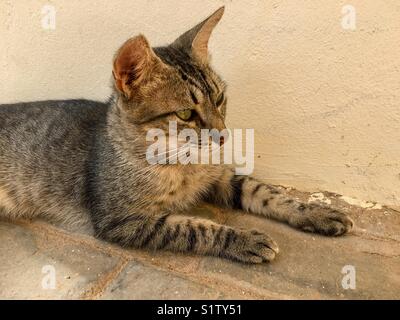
(252, 247)
(321, 219)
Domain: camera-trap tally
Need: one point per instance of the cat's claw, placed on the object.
(323, 220)
(252, 247)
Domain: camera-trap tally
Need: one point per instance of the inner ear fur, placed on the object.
(133, 64)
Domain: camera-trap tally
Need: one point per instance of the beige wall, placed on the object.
(324, 101)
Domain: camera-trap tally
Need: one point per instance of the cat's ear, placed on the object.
(196, 39)
(133, 63)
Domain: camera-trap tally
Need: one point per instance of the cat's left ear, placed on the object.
(134, 64)
(196, 39)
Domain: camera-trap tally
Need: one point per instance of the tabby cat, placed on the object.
(82, 162)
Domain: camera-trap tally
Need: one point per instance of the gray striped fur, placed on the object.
(82, 163)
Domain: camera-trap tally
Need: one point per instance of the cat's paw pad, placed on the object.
(252, 247)
(324, 220)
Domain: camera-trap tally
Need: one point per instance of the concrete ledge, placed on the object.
(308, 267)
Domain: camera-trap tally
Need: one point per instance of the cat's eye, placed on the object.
(184, 114)
(220, 99)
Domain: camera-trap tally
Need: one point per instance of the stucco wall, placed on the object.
(324, 101)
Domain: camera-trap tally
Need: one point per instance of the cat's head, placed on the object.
(171, 83)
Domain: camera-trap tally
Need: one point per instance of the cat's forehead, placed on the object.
(196, 74)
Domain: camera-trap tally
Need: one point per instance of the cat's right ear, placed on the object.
(196, 39)
(133, 64)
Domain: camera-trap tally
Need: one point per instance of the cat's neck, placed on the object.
(123, 134)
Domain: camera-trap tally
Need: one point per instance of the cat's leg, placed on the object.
(251, 195)
(184, 234)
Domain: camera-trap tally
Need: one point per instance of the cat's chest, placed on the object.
(181, 188)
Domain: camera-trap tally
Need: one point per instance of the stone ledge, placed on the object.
(308, 267)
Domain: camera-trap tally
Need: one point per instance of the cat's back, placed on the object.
(42, 113)
(44, 149)
(50, 124)
(48, 139)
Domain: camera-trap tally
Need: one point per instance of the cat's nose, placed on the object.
(220, 137)
(219, 125)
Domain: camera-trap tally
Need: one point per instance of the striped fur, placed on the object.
(82, 163)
